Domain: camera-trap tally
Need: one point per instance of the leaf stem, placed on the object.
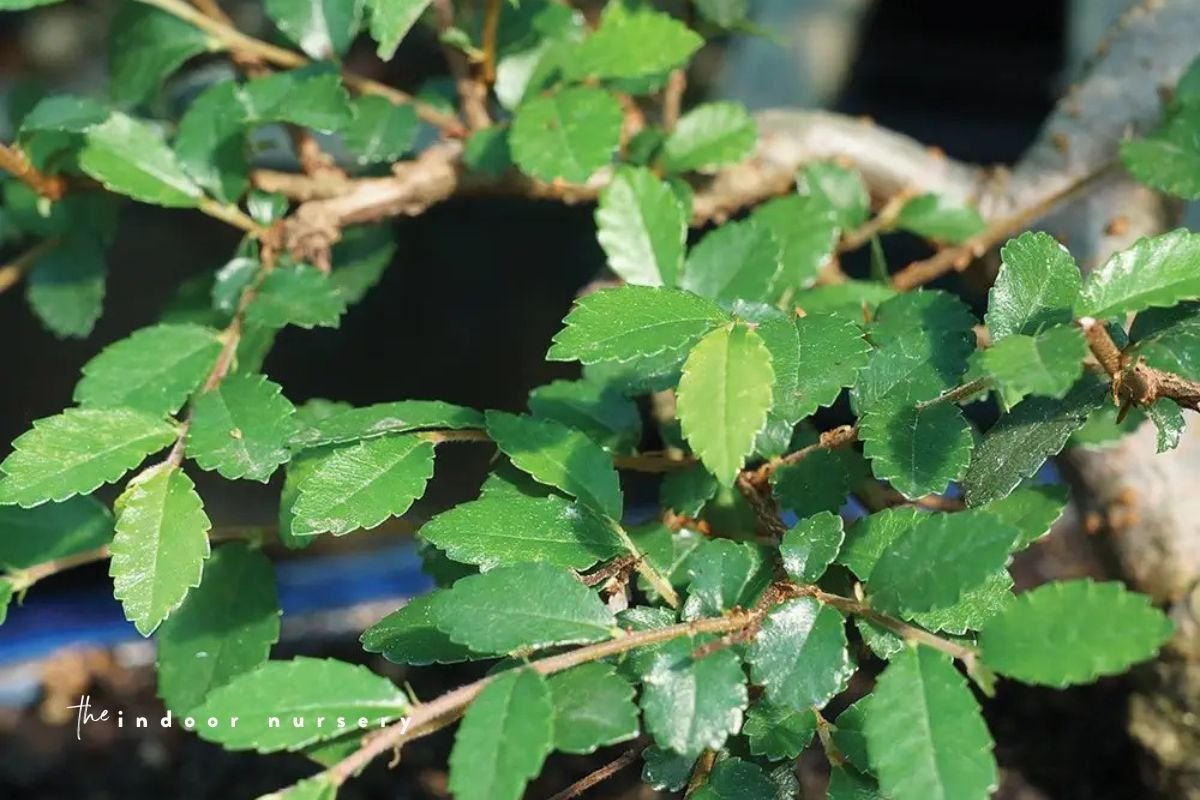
(960, 392)
(644, 568)
(15, 163)
(232, 215)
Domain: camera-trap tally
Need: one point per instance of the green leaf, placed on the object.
(918, 450)
(633, 44)
(369, 422)
(806, 229)
(1169, 158)
(502, 530)
(1169, 338)
(867, 538)
(1154, 272)
(837, 345)
(391, 20)
(847, 783)
(735, 779)
(567, 135)
(129, 157)
(78, 450)
(504, 737)
(925, 733)
(241, 427)
(1038, 286)
(6, 595)
(939, 559)
(973, 609)
(685, 491)
(318, 787)
(811, 545)
(932, 216)
(818, 482)
(724, 396)
(30, 536)
(210, 142)
(65, 287)
(358, 487)
(153, 370)
(1072, 632)
(1032, 510)
(710, 135)
(1168, 419)
(642, 228)
(382, 131)
(518, 607)
(321, 28)
(301, 296)
(360, 259)
(1018, 445)
(923, 340)
(850, 300)
(739, 260)
(848, 734)
(1046, 364)
(724, 13)
(160, 545)
(224, 628)
(593, 708)
(308, 688)
(837, 188)
(609, 418)
(560, 457)
(665, 770)
(724, 574)
(633, 322)
(778, 732)
(688, 704)
(408, 636)
(147, 45)
(799, 656)
(312, 97)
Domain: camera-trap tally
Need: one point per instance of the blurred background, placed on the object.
(464, 314)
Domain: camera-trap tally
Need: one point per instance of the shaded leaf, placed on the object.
(778, 732)
(301, 296)
(837, 188)
(381, 419)
(224, 628)
(818, 482)
(1168, 419)
(1168, 159)
(147, 45)
(735, 779)
(724, 574)
(409, 636)
(1037, 286)
(65, 287)
(938, 218)
(382, 131)
(739, 260)
(593, 708)
(129, 157)
(609, 418)
(1031, 510)
(919, 451)
(30, 536)
(321, 28)
(391, 20)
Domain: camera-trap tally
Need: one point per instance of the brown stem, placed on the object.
(14, 162)
(472, 94)
(960, 257)
(838, 437)
(880, 223)
(600, 775)
(701, 771)
(960, 392)
(1136, 382)
(491, 26)
(12, 272)
(672, 102)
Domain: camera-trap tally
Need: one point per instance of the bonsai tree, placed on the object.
(710, 639)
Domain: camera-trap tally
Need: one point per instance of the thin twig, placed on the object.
(838, 437)
(14, 162)
(960, 257)
(958, 393)
(597, 777)
(12, 272)
(672, 102)
(880, 223)
(233, 39)
(491, 26)
(472, 94)
(700, 772)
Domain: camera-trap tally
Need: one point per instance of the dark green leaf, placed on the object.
(689, 705)
(1168, 419)
(918, 450)
(30, 536)
(818, 482)
(391, 20)
(739, 260)
(408, 636)
(312, 97)
(609, 418)
(224, 628)
(735, 779)
(724, 574)
(778, 732)
(147, 45)
(129, 157)
(403, 416)
(799, 656)
(593, 708)
(300, 296)
(1032, 510)
(811, 545)
(381, 131)
(66, 285)
(837, 188)
(321, 28)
